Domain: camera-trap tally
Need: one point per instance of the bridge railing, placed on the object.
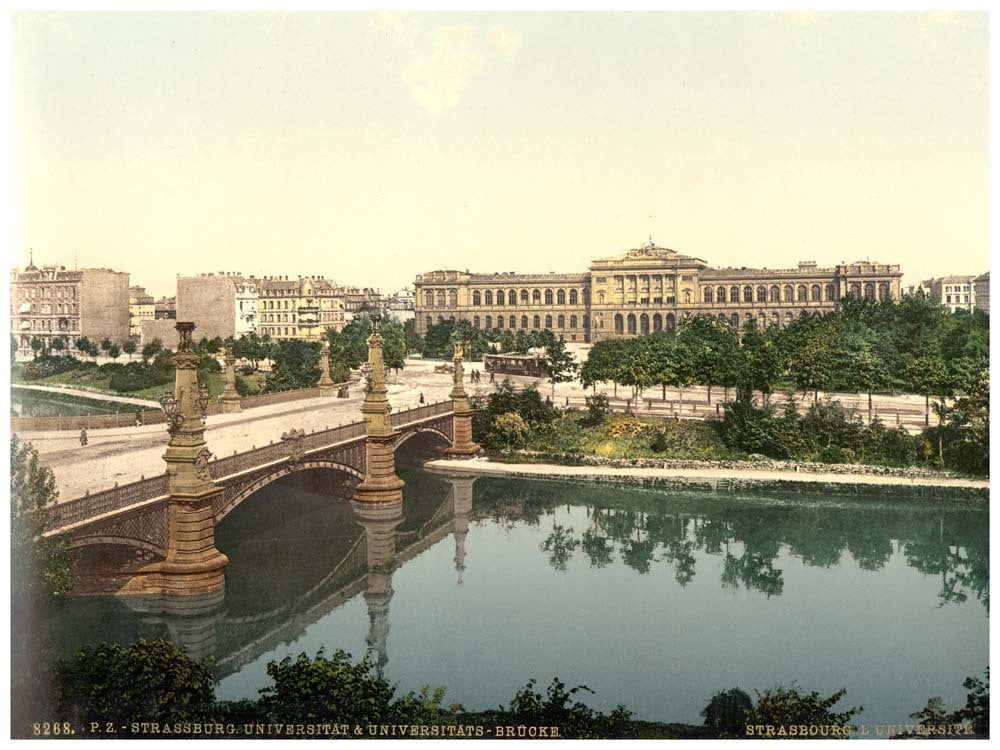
(133, 493)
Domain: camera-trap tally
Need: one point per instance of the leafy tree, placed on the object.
(976, 710)
(41, 563)
(114, 351)
(560, 363)
(761, 360)
(809, 354)
(82, 345)
(13, 349)
(150, 350)
(598, 408)
(295, 365)
(36, 345)
(712, 348)
(148, 680)
(511, 430)
(726, 713)
(574, 719)
(106, 344)
(58, 343)
(787, 707)
(129, 348)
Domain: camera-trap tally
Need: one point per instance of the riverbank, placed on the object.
(723, 478)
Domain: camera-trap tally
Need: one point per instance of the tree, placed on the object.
(560, 363)
(807, 343)
(105, 344)
(82, 345)
(45, 560)
(787, 707)
(636, 368)
(761, 360)
(58, 343)
(295, 365)
(36, 344)
(726, 713)
(711, 348)
(150, 350)
(114, 351)
(129, 348)
(511, 430)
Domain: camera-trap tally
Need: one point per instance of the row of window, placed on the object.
(958, 299)
(801, 293)
(46, 325)
(511, 322)
(58, 309)
(487, 298)
(643, 324)
(34, 292)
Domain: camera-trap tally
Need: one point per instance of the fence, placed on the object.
(128, 419)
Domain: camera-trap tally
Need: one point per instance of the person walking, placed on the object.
(83, 436)
(492, 377)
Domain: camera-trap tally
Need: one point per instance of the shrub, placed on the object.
(726, 713)
(511, 430)
(46, 365)
(786, 707)
(598, 407)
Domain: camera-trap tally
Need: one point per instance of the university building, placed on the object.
(646, 290)
(51, 302)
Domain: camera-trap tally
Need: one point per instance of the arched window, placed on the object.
(829, 292)
(734, 294)
(720, 295)
(869, 290)
(524, 321)
(430, 321)
(499, 301)
(548, 321)
(644, 324)
(440, 298)
(548, 296)
(788, 319)
(762, 294)
(774, 319)
(657, 322)
(572, 296)
(489, 300)
(789, 293)
(883, 291)
(775, 294)
(452, 298)
(499, 321)
(856, 290)
(814, 293)
(513, 322)
(735, 320)
(801, 293)
(762, 320)
(477, 299)
(572, 321)
(723, 318)
(428, 300)
(489, 320)
(524, 296)
(561, 297)
(631, 324)
(748, 294)
(708, 295)
(619, 324)
(561, 321)
(536, 322)
(669, 323)
(475, 322)
(536, 297)
(512, 298)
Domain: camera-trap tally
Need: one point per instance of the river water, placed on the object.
(652, 599)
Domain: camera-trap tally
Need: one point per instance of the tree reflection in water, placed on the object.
(644, 528)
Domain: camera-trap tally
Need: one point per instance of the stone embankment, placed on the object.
(738, 476)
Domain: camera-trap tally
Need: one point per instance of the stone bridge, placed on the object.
(136, 515)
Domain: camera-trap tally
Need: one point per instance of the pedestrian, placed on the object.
(421, 398)
(492, 377)
(472, 376)
(567, 402)
(83, 436)
(138, 419)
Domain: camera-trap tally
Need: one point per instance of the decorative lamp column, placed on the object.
(230, 396)
(461, 444)
(379, 521)
(380, 485)
(325, 383)
(193, 565)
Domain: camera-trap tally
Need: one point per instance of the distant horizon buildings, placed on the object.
(958, 292)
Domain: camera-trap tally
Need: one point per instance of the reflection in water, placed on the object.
(686, 593)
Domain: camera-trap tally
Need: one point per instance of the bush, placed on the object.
(787, 707)
(46, 365)
(726, 713)
(511, 430)
(598, 407)
(136, 376)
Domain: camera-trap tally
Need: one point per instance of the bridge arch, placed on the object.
(126, 541)
(244, 491)
(421, 431)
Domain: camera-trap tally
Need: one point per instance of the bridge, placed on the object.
(173, 515)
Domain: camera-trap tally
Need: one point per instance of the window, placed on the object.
(452, 298)
(548, 321)
(572, 321)
(561, 297)
(513, 322)
(734, 294)
(440, 299)
(524, 321)
(477, 299)
(489, 302)
(524, 296)
(499, 302)
(548, 298)
(829, 292)
(815, 293)
(801, 293)
(775, 294)
(687, 295)
(536, 297)
(499, 321)
(573, 296)
(512, 298)
(708, 295)
(762, 294)
(748, 294)
(475, 322)
(562, 321)
(536, 322)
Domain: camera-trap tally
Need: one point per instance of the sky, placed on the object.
(369, 147)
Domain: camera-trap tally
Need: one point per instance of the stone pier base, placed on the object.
(381, 485)
(193, 564)
(231, 405)
(462, 445)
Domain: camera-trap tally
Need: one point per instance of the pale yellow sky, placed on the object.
(369, 148)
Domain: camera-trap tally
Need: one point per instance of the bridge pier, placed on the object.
(193, 565)
(461, 508)
(462, 445)
(380, 485)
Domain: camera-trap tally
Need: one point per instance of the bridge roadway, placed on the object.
(124, 455)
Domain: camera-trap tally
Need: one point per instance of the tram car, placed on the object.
(515, 364)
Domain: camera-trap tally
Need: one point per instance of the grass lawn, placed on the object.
(91, 380)
(630, 437)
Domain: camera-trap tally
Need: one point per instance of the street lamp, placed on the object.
(203, 399)
(170, 408)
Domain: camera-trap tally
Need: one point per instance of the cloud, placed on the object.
(441, 70)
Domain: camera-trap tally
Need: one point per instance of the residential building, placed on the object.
(647, 289)
(51, 302)
(954, 292)
(298, 308)
(400, 305)
(221, 304)
(141, 306)
(981, 289)
(357, 300)
(165, 308)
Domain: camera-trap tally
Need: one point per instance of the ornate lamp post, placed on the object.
(380, 485)
(230, 396)
(462, 445)
(193, 565)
